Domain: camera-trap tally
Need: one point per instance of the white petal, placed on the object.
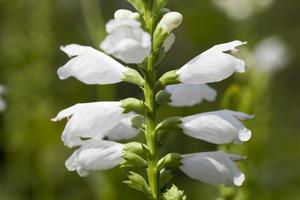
(115, 24)
(212, 168)
(126, 14)
(218, 127)
(169, 41)
(170, 21)
(128, 43)
(95, 155)
(89, 120)
(190, 94)
(211, 66)
(124, 129)
(91, 66)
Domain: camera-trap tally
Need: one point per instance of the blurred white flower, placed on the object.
(91, 66)
(218, 127)
(271, 54)
(95, 154)
(213, 168)
(126, 40)
(96, 120)
(242, 9)
(2, 102)
(190, 94)
(212, 65)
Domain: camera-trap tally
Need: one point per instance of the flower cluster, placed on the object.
(97, 128)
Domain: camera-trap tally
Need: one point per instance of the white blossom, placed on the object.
(2, 102)
(218, 127)
(91, 66)
(96, 120)
(242, 9)
(212, 65)
(170, 21)
(126, 40)
(271, 54)
(213, 168)
(95, 154)
(190, 94)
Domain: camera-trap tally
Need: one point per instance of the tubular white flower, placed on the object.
(170, 21)
(218, 127)
(126, 40)
(95, 154)
(213, 168)
(91, 66)
(96, 120)
(212, 65)
(190, 94)
(2, 102)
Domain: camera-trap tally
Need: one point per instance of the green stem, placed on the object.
(149, 94)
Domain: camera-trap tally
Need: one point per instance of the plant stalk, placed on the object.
(149, 95)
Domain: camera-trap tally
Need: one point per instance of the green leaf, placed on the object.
(174, 194)
(137, 182)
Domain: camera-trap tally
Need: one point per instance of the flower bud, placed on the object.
(170, 21)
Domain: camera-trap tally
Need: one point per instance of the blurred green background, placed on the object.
(31, 153)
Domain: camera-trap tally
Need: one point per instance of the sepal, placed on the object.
(174, 194)
(163, 97)
(132, 76)
(132, 104)
(165, 135)
(165, 177)
(170, 160)
(169, 123)
(132, 160)
(169, 78)
(137, 182)
(137, 148)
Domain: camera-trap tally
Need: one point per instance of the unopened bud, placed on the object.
(170, 21)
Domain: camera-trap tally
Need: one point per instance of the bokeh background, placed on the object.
(31, 153)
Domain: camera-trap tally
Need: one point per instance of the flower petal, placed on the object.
(91, 66)
(212, 168)
(190, 94)
(127, 42)
(212, 65)
(218, 127)
(95, 154)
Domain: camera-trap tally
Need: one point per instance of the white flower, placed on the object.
(190, 94)
(212, 65)
(95, 154)
(271, 54)
(213, 168)
(169, 41)
(242, 9)
(91, 66)
(170, 21)
(96, 120)
(2, 102)
(218, 127)
(126, 40)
